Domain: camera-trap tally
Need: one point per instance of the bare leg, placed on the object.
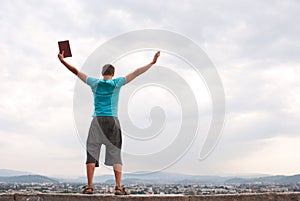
(90, 168)
(118, 174)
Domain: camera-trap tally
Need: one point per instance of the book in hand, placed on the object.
(65, 46)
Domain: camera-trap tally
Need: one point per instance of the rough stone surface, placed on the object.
(250, 197)
(80, 197)
(6, 197)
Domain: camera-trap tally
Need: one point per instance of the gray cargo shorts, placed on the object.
(104, 130)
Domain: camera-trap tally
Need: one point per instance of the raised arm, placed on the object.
(81, 75)
(141, 70)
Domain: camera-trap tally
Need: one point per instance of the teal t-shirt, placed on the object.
(106, 95)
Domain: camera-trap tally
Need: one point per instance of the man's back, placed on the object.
(106, 95)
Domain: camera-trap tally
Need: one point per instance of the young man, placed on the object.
(105, 127)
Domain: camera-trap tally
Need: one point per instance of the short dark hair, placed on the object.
(108, 69)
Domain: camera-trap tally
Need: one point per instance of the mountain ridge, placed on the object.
(28, 179)
(157, 178)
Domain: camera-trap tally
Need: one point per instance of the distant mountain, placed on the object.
(237, 180)
(169, 178)
(291, 179)
(13, 176)
(9, 173)
(279, 179)
(28, 179)
(157, 177)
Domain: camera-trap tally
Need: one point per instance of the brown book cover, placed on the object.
(65, 46)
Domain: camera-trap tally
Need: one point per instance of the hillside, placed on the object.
(27, 179)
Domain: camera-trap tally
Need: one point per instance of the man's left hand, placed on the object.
(155, 57)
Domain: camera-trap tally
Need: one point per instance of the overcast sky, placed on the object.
(254, 45)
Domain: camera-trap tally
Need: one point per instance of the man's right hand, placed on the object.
(61, 56)
(81, 75)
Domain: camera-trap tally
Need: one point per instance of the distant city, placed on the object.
(150, 189)
(150, 184)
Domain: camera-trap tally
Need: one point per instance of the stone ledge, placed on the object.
(80, 197)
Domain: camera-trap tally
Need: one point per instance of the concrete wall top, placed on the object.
(97, 197)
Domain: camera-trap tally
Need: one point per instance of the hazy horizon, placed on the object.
(21, 173)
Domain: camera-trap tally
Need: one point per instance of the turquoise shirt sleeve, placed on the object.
(120, 81)
(91, 81)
